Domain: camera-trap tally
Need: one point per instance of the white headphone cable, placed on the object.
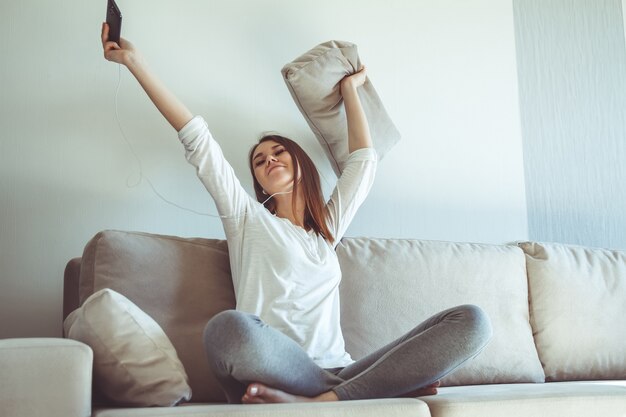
(140, 166)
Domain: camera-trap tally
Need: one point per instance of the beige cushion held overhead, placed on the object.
(577, 304)
(389, 286)
(313, 81)
(134, 361)
(180, 282)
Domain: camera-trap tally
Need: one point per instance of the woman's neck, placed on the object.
(285, 208)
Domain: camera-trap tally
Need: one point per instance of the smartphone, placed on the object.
(114, 20)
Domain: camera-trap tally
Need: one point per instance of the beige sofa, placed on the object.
(558, 311)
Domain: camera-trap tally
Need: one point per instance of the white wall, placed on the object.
(446, 71)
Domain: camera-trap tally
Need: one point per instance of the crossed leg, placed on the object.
(261, 394)
(242, 349)
(257, 364)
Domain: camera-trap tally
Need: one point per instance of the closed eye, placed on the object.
(259, 160)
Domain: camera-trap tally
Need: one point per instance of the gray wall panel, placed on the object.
(572, 77)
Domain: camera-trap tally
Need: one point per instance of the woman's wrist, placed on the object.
(348, 90)
(134, 61)
(347, 87)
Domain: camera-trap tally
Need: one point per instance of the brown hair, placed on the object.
(315, 211)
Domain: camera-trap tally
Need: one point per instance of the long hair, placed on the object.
(316, 213)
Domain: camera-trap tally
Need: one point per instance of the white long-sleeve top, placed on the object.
(285, 275)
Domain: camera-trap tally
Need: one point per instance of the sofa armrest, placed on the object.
(45, 377)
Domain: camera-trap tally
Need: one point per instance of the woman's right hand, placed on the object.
(122, 53)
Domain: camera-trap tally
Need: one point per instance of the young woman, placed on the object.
(283, 342)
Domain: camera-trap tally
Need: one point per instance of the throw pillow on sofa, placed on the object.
(577, 304)
(313, 81)
(134, 362)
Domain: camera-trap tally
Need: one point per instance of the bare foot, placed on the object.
(262, 394)
(424, 391)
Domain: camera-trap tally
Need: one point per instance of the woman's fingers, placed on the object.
(106, 44)
(362, 72)
(105, 33)
(110, 51)
(355, 79)
(110, 45)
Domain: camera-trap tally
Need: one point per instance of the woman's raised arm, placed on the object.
(358, 129)
(174, 111)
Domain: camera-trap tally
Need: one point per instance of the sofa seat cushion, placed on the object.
(404, 407)
(577, 299)
(180, 282)
(552, 399)
(391, 285)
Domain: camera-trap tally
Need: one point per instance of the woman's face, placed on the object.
(273, 167)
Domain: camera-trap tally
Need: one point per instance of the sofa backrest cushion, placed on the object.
(391, 285)
(578, 304)
(181, 283)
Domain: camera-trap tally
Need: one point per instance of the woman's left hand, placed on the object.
(355, 80)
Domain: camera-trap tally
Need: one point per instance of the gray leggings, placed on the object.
(242, 349)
